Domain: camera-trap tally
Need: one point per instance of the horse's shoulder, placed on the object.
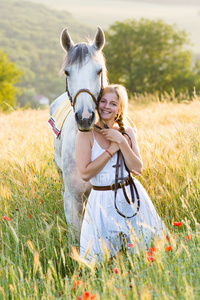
(54, 105)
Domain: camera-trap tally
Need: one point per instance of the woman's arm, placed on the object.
(83, 146)
(131, 156)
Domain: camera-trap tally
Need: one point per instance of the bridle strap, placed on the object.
(84, 91)
(96, 100)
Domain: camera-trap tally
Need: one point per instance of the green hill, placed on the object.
(29, 34)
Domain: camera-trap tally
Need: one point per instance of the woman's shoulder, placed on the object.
(131, 131)
(84, 136)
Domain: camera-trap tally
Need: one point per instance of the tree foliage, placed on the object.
(9, 76)
(149, 56)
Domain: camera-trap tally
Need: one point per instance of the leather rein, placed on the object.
(133, 189)
(121, 181)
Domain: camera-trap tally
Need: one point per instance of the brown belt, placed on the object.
(110, 187)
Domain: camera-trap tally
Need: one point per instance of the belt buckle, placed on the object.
(112, 187)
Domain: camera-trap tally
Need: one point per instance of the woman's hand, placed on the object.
(113, 135)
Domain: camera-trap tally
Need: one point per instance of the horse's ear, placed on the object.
(99, 39)
(65, 40)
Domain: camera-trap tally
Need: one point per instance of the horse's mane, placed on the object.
(79, 53)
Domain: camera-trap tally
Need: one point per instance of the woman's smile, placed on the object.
(108, 106)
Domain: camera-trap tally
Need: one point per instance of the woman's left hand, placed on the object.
(113, 135)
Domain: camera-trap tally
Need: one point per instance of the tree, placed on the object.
(9, 75)
(148, 56)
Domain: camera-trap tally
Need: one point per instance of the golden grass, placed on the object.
(35, 261)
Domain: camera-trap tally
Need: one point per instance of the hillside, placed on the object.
(184, 13)
(29, 34)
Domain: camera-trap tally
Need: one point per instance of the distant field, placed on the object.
(105, 12)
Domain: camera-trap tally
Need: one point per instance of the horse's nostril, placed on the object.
(76, 117)
(91, 118)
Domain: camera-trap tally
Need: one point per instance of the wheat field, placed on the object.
(36, 260)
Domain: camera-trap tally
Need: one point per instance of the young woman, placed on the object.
(110, 217)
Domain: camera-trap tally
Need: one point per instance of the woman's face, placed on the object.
(108, 106)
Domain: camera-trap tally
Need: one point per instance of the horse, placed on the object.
(86, 75)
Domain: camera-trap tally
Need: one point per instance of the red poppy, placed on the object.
(79, 298)
(167, 237)
(115, 270)
(168, 248)
(7, 218)
(77, 283)
(130, 245)
(188, 237)
(179, 224)
(56, 212)
(153, 249)
(150, 256)
(30, 216)
(87, 296)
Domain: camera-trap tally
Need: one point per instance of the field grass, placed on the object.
(35, 260)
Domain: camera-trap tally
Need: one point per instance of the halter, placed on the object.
(95, 100)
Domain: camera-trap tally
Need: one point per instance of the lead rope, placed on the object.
(120, 163)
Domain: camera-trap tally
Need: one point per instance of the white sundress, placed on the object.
(103, 228)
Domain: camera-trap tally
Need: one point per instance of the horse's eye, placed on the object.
(66, 73)
(100, 71)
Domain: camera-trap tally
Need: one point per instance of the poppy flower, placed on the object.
(179, 224)
(30, 216)
(153, 249)
(56, 212)
(77, 283)
(188, 237)
(87, 296)
(7, 218)
(115, 270)
(130, 245)
(168, 248)
(150, 256)
(167, 237)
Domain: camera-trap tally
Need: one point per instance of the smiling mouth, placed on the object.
(106, 112)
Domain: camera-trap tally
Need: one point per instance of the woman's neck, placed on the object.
(110, 124)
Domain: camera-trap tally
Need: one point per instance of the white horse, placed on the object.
(85, 69)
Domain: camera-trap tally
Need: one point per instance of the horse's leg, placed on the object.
(73, 212)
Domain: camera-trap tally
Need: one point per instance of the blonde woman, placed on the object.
(118, 208)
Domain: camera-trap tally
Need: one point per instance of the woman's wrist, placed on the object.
(108, 153)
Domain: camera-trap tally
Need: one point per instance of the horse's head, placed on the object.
(85, 70)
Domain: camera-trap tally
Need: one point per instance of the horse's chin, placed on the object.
(84, 129)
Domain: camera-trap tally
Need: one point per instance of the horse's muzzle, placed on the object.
(85, 124)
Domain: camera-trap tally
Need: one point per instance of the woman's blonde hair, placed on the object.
(122, 119)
